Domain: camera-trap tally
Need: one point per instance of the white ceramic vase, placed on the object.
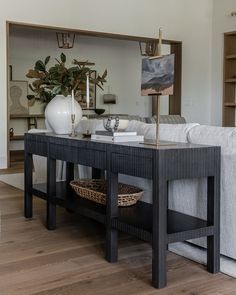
(58, 114)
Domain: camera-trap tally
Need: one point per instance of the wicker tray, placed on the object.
(95, 190)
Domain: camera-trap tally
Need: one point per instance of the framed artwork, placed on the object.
(81, 96)
(18, 102)
(158, 75)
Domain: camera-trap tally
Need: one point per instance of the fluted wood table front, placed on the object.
(154, 223)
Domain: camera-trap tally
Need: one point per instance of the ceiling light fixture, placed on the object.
(65, 40)
(148, 48)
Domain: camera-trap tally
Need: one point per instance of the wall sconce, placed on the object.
(65, 40)
(233, 13)
(148, 48)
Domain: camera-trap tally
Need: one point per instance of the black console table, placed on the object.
(154, 223)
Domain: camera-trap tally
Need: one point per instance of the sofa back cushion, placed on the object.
(213, 135)
(168, 132)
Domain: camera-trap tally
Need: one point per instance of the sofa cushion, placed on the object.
(213, 135)
(168, 132)
(167, 119)
(140, 127)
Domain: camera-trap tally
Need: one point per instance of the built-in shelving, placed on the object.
(232, 80)
(229, 82)
(26, 116)
(231, 56)
(230, 104)
(17, 148)
(17, 137)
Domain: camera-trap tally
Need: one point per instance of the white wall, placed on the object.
(222, 22)
(186, 20)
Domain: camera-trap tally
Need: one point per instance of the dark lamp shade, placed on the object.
(109, 99)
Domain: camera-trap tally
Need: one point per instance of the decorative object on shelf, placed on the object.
(87, 126)
(18, 102)
(56, 83)
(96, 190)
(10, 73)
(107, 124)
(157, 80)
(99, 111)
(88, 134)
(11, 132)
(65, 40)
(114, 124)
(109, 99)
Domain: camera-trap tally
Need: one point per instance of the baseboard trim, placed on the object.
(3, 162)
(198, 254)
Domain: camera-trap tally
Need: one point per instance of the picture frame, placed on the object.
(158, 75)
(80, 96)
(18, 102)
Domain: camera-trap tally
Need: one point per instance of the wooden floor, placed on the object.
(15, 167)
(71, 260)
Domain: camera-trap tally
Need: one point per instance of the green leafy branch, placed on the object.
(59, 79)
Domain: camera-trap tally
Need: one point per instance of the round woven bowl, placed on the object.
(95, 190)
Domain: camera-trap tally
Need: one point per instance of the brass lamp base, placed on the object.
(158, 144)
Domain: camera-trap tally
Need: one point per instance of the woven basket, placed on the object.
(95, 190)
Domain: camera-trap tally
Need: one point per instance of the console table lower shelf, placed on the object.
(135, 220)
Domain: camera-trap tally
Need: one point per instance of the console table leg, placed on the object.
(111, 212)
(111, 245)
(69, 172)
(159, 232)
(213, 217)
(97, 173)
(51, 193)
(28, 202)
(69, 178)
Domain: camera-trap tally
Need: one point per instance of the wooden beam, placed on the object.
(91, 33)
(175, 99)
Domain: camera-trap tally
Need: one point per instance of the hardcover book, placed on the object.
(116, 133)
(129, 138)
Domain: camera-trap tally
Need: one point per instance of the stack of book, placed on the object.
(117, 136)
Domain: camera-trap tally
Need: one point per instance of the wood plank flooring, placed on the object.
(71, 260)
(15, 167)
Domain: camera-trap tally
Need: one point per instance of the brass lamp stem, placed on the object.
(159, 52)
(158, 121)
